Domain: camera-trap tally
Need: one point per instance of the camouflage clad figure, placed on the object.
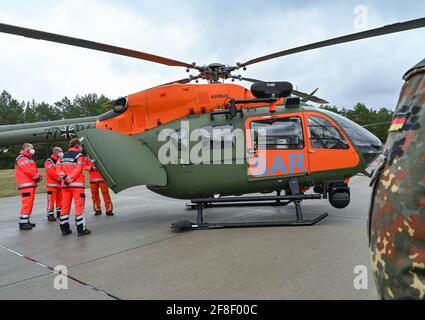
(397, 220)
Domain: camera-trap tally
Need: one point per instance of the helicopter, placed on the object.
(266, 139)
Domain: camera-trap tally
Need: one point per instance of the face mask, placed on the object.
(60, 154)
(32, 151)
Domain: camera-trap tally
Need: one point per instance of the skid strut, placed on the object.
(296, 197)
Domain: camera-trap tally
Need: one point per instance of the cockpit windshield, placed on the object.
(358, 135)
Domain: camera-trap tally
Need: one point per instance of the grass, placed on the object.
(8, 183)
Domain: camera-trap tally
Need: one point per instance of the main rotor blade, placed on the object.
(52, 37)
(249, 79)
(392, 28)
(181, 81)
(376, 124)
(309, 97)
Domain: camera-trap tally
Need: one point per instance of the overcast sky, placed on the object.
(226, 31)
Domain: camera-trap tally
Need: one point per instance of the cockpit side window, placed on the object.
(324, 135)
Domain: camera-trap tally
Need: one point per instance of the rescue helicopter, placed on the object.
(289, 147)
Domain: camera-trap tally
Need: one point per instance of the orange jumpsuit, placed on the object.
(27, 176)
(98, 182)
(54, 186)
(70, 169)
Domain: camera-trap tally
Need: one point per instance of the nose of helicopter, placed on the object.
(368, 145)
(369, 153)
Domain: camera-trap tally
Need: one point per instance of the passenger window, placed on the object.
(179, 139)
(278, 134)
(218, 137)
(324, 135)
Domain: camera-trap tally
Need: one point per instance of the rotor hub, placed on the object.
(214, 72)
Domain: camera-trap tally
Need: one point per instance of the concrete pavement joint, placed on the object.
(76, 265)
(53, 270)
(25, 280)
(123, 251)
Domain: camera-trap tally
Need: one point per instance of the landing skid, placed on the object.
(296, 198)
(277, 203)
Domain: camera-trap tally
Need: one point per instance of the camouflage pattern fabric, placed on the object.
(397, 215)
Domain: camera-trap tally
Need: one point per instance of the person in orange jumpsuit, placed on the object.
(70, 169)
(27, 176)
(98, 182)
(54, 185)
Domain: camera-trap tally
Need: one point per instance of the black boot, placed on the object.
(66, 230)
(33, 224)
(51, 218)
(110, 213)
(98, 213)
(81, 226)
(83, 233)
(25, 226)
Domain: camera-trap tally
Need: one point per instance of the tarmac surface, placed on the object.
(135, 254)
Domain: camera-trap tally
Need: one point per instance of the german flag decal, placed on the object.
(398, 122)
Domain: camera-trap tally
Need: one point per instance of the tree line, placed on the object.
(376, 121)
(13, 111)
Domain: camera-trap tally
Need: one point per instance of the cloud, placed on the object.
(47, 71)
(215, 31)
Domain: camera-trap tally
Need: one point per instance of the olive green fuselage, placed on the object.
(188, 181)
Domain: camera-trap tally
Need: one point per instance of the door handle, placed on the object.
(311, 151)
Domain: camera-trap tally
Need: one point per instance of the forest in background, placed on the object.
(13, 111)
